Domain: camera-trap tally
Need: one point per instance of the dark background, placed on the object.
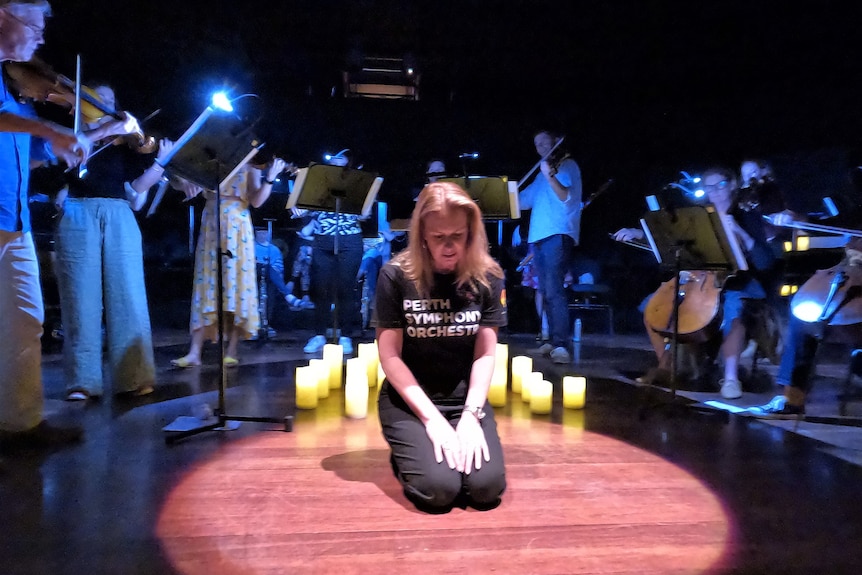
(642, 90)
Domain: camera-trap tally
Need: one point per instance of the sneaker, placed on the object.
(347, 344)
(730, 389)
(560, 355)
(544, 349)
(271, 332)
(778, 408)
(306, 303)
(315, 344)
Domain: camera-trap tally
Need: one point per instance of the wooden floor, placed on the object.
(633, 483)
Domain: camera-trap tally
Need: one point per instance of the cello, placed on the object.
(699, 307)
(832, 297)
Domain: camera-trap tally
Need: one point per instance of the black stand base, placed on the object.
(671, 405)
(219, 424)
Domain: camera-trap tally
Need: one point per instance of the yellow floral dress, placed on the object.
(239, 271)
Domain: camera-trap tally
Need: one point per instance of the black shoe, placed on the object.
(42, 436)
(778, 408)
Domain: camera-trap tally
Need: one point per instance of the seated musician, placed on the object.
(800, 347)
(746, 292)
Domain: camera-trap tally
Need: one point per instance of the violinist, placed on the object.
(249, 188)
(24, 138)
(554, 199)
(100, 265)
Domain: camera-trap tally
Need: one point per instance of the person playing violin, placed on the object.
(24, 139)
(554, 199)
(249, 188)
(100, 266)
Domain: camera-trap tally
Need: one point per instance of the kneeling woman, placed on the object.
(439, 305)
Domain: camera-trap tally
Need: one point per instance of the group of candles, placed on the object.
(315, 380)
(533, 387)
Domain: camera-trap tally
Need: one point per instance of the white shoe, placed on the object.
(543, 349)
(560, 355)
(347, 344)
(730, 389)
(315, 344)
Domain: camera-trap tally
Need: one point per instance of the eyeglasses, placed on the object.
(37, 30)
(718, 186)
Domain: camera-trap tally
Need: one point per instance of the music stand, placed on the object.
(496, 196)
(337, 189)
(690, 238)
(214, 145)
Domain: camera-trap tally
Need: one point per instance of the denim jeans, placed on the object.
(797, 358)
(22, 315)
(100, 266)
(553, 256)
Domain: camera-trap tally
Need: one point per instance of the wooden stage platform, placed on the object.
(630, 484)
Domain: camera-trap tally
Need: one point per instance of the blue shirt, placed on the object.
(15, 153)
(550, 216)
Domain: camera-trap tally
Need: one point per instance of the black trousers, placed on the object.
(428, 484)
(333, 280)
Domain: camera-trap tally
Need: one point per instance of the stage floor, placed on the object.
(633, 483)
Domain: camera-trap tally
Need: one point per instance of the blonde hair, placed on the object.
(415, 259)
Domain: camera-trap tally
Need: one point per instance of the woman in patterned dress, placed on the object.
(239, 273)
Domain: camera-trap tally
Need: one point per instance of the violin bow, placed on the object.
(82, 167)
(539, 163)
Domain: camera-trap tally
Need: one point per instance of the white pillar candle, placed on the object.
(574, 391)
(497, 390)
(368, 353)
(321, 375)
(527, 384)
(356, 393)
(306, 388)
(333, 355)
(521, 366)
(501, 354)
(356, 369)
(541, 395)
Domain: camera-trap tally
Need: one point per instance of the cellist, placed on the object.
(746, 292)
(803, 337)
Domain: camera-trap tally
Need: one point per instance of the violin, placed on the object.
(35, 80)
(699, 307)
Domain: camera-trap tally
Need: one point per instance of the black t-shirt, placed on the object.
(439, 331)
(107, 172)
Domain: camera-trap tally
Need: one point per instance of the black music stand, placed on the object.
(691, 238)
(496, 196)
(337, 189)
(214, 145)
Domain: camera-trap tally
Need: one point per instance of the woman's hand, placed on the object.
(628, 235)
(474, 447)
(446, 442)
(275, 168)
(165, 147)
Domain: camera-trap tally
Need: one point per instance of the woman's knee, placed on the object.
(485, 489)
(437, 488)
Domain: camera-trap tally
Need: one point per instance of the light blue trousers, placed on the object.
(100, 267)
